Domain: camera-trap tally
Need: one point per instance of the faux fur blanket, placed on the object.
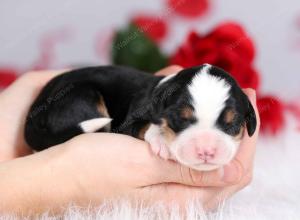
(273, 194)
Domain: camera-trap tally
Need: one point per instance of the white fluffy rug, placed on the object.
(273, 194)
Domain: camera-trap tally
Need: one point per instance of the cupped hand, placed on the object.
(15, 102)
(126, 167)
(102, 166)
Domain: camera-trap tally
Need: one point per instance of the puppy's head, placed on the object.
(201, 114)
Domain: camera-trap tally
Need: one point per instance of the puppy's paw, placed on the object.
(157, 142)
(159, 148)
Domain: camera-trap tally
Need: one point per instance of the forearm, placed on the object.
(37, 183)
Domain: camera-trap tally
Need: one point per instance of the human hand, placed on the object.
(126, 167)
(15, 103)
(102, 166)
(135, 172)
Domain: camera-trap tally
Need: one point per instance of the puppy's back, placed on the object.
(81, 95)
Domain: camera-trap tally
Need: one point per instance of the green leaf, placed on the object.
(131, 47)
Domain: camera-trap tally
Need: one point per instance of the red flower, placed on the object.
(7, 76)
(154, 27)
(271, 111)
(233, 36)
(189, 8)
(227, 46)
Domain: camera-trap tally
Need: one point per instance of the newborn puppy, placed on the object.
(200, 116)
(196, 117)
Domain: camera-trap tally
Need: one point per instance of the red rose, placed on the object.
(233, 36)
(271, 111)
(227, 46)
(189, 8)
(7, 76)
(154, 27)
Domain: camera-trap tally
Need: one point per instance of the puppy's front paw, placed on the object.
(159, 147)
(157, 142)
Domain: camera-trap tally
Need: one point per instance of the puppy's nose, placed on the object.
(206, 153)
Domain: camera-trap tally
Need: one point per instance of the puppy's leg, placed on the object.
(154, 136)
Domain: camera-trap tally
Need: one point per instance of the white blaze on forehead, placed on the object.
(209, 94)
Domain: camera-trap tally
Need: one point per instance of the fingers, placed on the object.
(28, 87)
(32, 81)
(15, 102)
(218, 195)
(252, 97)
(242, 164)
(207, 198)
(40, 78)
(173, 172)
(152, 168)
(169, 70)
(248, 145)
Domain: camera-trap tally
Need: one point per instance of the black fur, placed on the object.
(132, 97)
(54, 118)
(239, 103)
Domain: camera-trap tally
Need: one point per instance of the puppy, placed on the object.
(196, 117)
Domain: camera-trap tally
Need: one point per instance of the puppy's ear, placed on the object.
(250, 119)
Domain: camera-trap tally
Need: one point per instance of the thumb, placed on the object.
(169, 70)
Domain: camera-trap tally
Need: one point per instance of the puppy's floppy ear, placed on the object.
(250, 119)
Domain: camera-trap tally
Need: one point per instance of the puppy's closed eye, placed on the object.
(230, 122)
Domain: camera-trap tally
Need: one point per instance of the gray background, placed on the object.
(271, 23)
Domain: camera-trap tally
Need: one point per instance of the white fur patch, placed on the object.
(157, 143)
(95, 124)
(209, 94)
(208, 98)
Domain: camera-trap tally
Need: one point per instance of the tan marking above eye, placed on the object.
(101, 107)
(229, 116)
(167, 132)
(187, 113)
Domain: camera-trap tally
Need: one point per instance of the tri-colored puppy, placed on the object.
(196, 117)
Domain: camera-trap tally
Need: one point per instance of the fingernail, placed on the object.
(231, 174)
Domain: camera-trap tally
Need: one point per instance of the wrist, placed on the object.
(37, 183)
(59, 186)
(83, 172)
